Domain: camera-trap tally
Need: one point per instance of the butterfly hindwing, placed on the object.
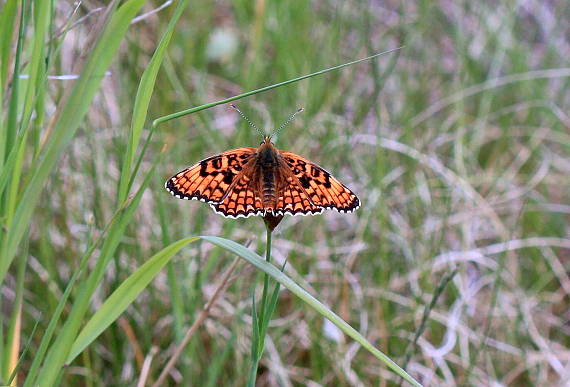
(292, 198)
(322, 188)
(243, 200)
(210, 179)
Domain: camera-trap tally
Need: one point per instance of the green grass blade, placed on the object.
(125, 294)
(255, 343)
(71, 116)
(266, 88)
(8, 17)
(271, 306)
(142, 101)
(16, 168)
(36, 79)
(9, 165)
(23, 355)
(13, 334)
(271, 270)
(254, 329)
(11, 127)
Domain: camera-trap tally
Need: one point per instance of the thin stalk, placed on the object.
(260, 326)
(23, 355)
(266, 88)
(266, 276)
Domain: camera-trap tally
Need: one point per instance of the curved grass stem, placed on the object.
(266, 88)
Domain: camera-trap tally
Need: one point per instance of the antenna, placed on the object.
(286, 122)
(247, 119)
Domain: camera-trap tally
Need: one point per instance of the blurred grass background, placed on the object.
(458, 147)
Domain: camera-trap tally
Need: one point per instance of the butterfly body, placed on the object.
(260, 181)
(267, 163)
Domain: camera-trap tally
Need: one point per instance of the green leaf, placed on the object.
(8, 17)
(142, 101)
(271, 270)
(123, 296)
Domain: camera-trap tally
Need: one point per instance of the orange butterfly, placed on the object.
(262, 181)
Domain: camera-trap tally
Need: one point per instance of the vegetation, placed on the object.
(458, 145)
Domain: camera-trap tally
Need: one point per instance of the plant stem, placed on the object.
(266, 276)
(266, 88)
(260, 325)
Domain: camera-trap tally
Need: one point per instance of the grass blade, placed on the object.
(266, 88)
(11, 127)
(142, 101)
(8, 17)
(125, 294)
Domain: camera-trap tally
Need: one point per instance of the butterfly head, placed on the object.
(266, 146)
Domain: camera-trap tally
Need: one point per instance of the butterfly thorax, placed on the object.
(267, 161)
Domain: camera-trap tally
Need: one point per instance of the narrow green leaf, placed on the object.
(142, 100)
(271, 270)
(23, 355)
(8, 17)
(266, 88)
(215, 370)
(11, 127)
(12, 192)
(123, 296)
(11, 159)
(12, 343)
(36, 80)
(272, 305)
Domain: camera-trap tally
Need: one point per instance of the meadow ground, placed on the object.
(458, 145)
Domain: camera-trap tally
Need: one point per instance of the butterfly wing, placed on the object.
(244, 198)
(318, 185)
(292, 199)
(212, 179)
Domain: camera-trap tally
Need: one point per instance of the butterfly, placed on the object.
(262, 181)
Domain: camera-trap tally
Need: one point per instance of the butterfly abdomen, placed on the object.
(269, 195)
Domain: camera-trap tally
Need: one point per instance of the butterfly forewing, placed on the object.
(244, 199)
(211, 179)
(323, 189)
